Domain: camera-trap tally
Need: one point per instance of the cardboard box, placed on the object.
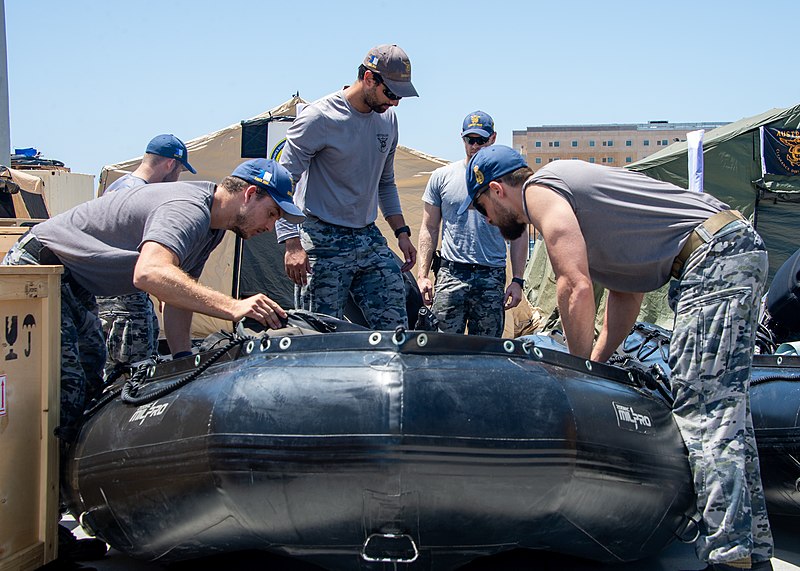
(30, 364)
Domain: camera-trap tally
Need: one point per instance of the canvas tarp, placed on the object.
(241, 268)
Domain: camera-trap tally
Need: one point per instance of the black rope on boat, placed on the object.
(132, 386)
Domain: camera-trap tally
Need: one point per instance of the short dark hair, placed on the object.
(517, 177)
(234, 184)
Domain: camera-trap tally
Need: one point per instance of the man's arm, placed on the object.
(622, 308)
(403, 241)
(177, 328)
(519, 256)
(554, 217)
(428, 240)
(158, 273)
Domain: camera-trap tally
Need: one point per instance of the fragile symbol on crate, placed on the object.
(11, 337)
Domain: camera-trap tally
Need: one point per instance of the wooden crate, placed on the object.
(30, 364)
(8, 236)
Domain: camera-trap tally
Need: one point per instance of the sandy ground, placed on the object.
(677, 557)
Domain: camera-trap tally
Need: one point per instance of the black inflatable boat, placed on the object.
(361, 449)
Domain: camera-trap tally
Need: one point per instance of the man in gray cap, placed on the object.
(471, 287)
(130, 325)
(340, 151)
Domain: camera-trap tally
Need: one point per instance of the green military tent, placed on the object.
(734, 171)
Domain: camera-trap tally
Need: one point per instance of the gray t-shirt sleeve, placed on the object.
(179, 225)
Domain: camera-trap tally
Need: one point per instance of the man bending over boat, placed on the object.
(155, 238)
(130, 324)
(631, 233)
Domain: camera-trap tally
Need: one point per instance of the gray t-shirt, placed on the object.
(99, 241)
(125, 182)
(346, 159)
(633, 225)
(468, 238)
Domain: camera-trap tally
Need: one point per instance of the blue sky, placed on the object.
(91, 81)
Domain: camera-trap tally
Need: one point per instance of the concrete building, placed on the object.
(613, 145)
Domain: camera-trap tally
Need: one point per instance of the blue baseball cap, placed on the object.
(276, 180)
(488, 164)
(171, 147)
(478, 123)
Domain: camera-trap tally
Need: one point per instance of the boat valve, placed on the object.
(389, 548)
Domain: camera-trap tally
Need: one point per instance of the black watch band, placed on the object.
(402, 229)
(519, 281)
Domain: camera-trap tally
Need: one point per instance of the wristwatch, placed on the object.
(402, 229)
(519, 281)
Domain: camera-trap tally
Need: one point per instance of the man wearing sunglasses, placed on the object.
(340, 151)
(632, 234)
(470, 290)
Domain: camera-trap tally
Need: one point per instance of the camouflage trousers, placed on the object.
(83, 351)
(355, 261)
(130, 327)
(716, 305)
(472, 299)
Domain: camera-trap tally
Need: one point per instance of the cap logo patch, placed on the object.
(478, 175)
(179, 153)
(265, 177)
(373, 61)
(475, 121)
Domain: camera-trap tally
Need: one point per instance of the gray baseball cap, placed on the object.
(394, 67)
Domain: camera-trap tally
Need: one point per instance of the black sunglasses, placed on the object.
(475, 140)
(386, 91)
(481, 210)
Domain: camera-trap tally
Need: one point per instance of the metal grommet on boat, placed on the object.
(151, 372)
(197, 360)
(537, 352)
(375, 338)
(508, 345)
(248, 348)
(285, 343)
(526, 347)
(422, 339)
(779, 360)
(265, 343)
(588, 364)
(630, 376)
(399, 337)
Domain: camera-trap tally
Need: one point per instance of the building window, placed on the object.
(664, 142)
(610, 159)
(538, 160)
(591, 143)
(611, 143)
(574, 143)
(591, 159)
(646, 143)
(628, 160)
(538, 144)
(604, 159)
(604, 143)
(628, 143)
(556, 144)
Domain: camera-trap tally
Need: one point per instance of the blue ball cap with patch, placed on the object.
(171, 147)
(276, 180)
(488, 164)
(478, 123)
